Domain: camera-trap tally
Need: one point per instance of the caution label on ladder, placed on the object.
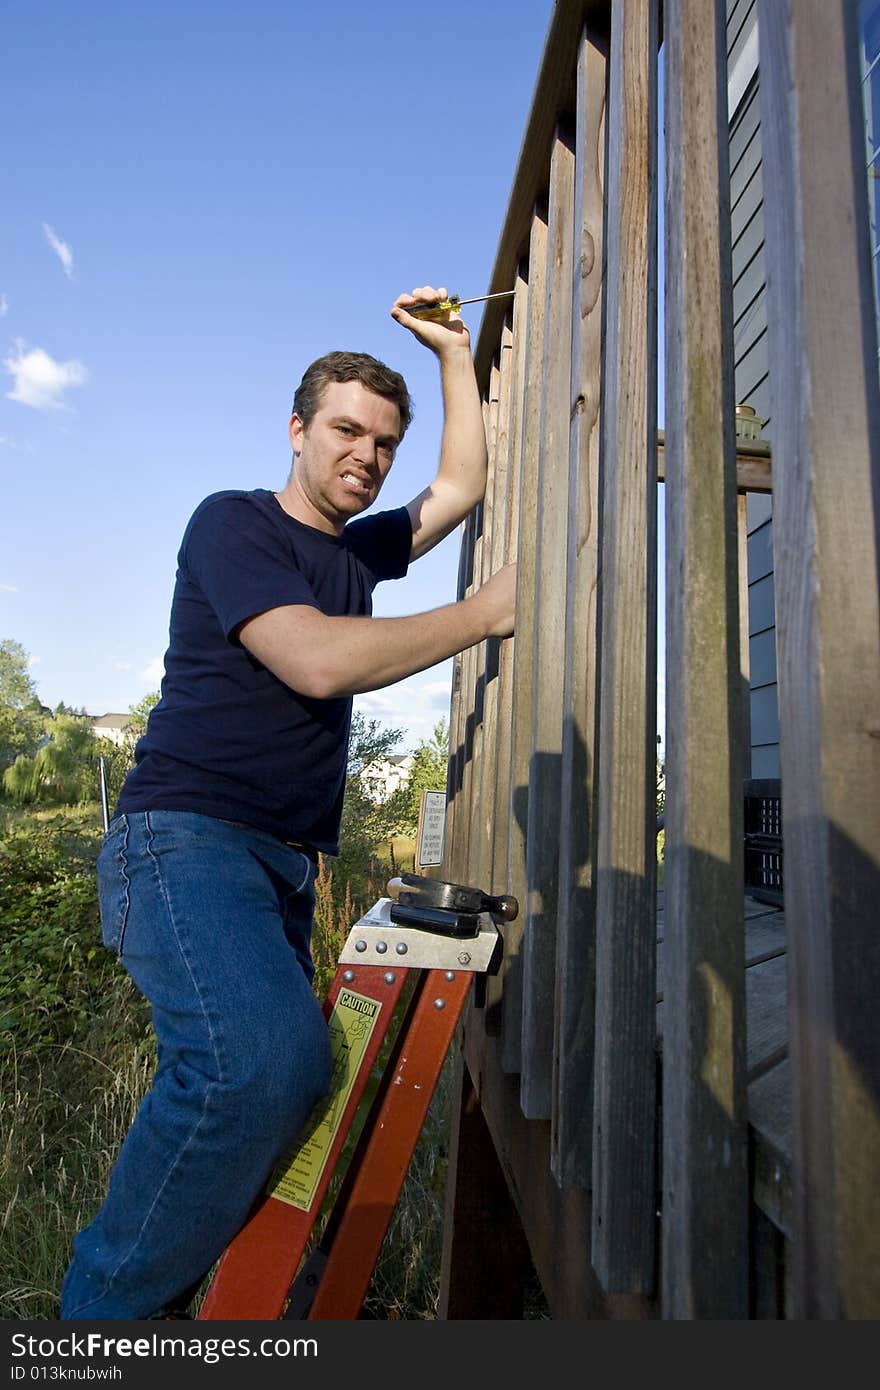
(351, 1024)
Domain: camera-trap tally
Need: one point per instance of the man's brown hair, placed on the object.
(351, 366)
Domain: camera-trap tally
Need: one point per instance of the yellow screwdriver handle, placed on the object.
(436, 313)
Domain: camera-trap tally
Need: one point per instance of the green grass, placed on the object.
(64, 1108)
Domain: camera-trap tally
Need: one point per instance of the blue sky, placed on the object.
(199, 199)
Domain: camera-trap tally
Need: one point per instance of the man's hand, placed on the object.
(449, 335)
(461, 474)
(497, 597)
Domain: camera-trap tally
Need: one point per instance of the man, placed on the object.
(206, 873)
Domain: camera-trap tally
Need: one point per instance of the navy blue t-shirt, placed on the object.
(228, 738)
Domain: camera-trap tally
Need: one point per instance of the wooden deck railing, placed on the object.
(627, 1160)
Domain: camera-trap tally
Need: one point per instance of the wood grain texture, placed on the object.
(556, 1221)
(705, 1201)
(469, 696)
(552, 97)
(625, 1104)
(548, 651)
(826, 431)
(485, 1257)
(488, 816)
(573, 1054)
(455, 815)
(519, 347)
(753, 465)
(521, 705)
(500, 873)
(478, 706)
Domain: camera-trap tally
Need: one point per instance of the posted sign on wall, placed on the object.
(432, 823)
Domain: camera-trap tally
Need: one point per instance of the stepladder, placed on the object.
(403, 978)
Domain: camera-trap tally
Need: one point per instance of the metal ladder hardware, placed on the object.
(439, 948)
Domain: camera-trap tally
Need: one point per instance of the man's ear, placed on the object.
(296, 430)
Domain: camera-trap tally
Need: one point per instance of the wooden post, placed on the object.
(548, 653)
(500, 465)
(457, 811)
(457, 716)
(500, 872)
(485, 1260)
(478, 758)
(705, 1198)
(519, 328)
(624, 1175)
(521, 705)
(572, 1117)
(826, 484)
(470, 700)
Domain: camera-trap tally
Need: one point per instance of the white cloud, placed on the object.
(122, 666)
(21, 446)
(4, 306)
(413, 705)
(34, 660)
(434, 690)
(9, 588)
(61, 249)
(154, 671)
(40, 381)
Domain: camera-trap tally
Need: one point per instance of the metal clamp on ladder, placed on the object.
(449, 935)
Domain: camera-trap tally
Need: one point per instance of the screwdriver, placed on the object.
(441, 307)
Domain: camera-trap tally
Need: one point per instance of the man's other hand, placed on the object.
(498, 599)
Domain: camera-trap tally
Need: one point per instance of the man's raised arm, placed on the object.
(461, 474)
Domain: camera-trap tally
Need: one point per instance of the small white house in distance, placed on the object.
(112, 726)
(386, 774)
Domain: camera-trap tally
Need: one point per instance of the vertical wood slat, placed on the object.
(826, 484)
(456, 705)
(470, 659)
(458, 715)
(625, 1102)
(471, 667)
(500, 464)
(501, 840)
(542, 831)
(705, 1200)
(478, 759)
(519, 331)
(462, 806)
(571, 1120)
(510, 972)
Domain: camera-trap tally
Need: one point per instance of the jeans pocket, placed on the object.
(113, 885)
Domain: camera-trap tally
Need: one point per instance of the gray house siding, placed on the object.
(752, 379)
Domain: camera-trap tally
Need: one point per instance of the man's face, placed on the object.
(343, 456)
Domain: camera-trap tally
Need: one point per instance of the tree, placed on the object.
(428, 773)
(119, 757)
(21, 714)
(365, 825)
(63, 770)
(140, 713)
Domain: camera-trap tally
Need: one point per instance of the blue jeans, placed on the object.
(212, 920)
